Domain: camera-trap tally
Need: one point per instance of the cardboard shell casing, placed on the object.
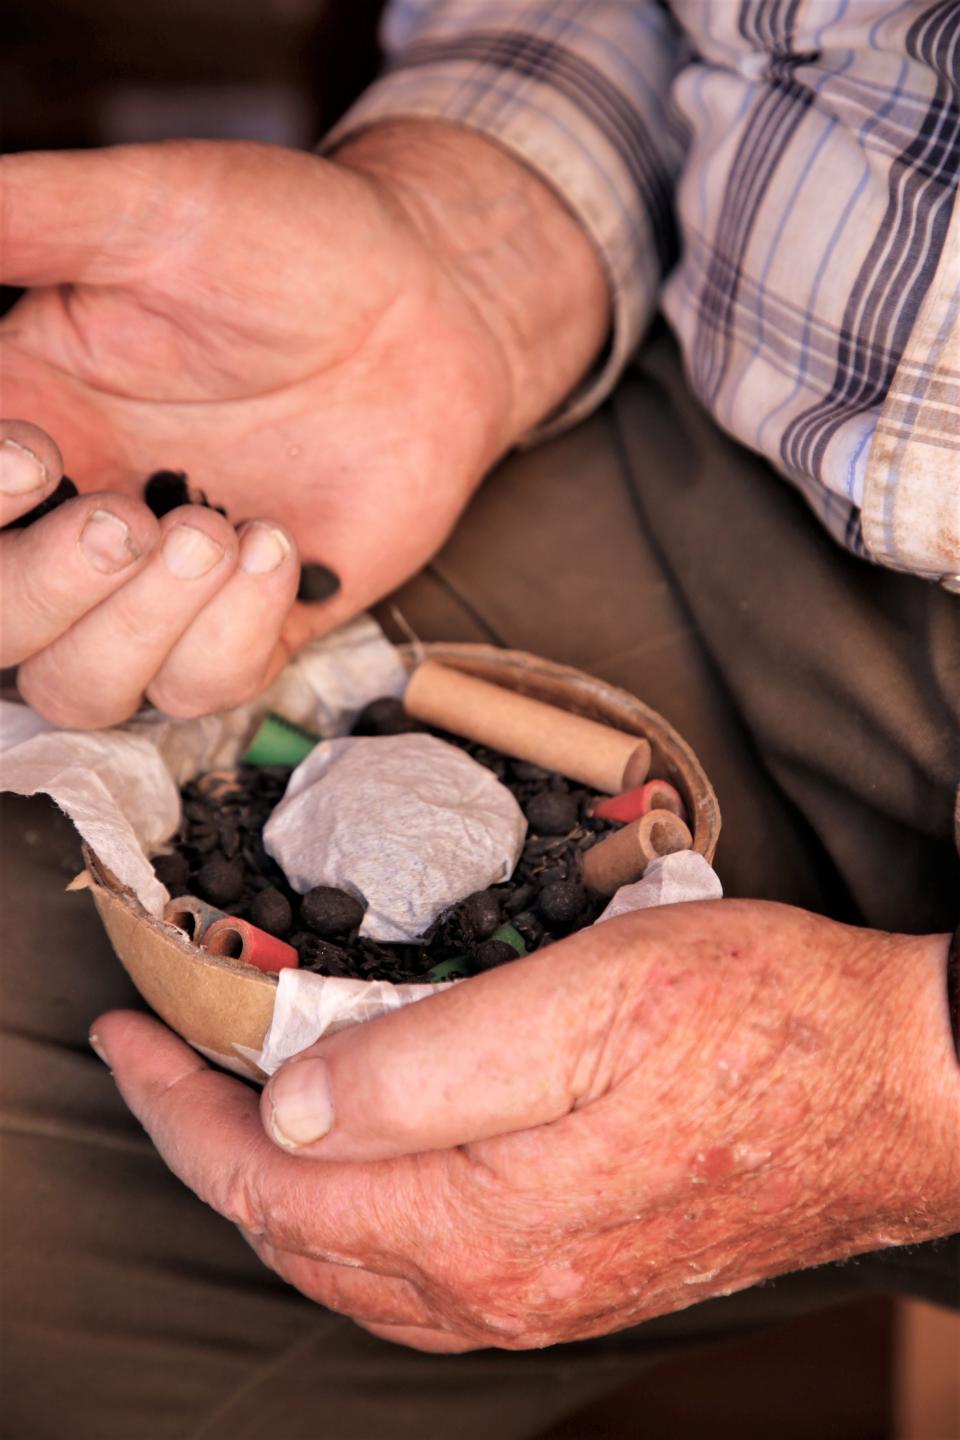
(223, 1007)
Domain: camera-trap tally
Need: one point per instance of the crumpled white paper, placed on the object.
(409, 823)
(309, 1006)
(120, 787)
(669, 880)
(114, 786)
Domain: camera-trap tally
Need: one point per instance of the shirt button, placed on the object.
(951, 583)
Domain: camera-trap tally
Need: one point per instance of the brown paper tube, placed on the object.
(192, 915)
(622, 857)
(582, 750)
(637, 767)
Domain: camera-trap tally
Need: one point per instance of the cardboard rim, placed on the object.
(224, 1007)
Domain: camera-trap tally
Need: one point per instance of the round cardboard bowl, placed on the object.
(224, 1007)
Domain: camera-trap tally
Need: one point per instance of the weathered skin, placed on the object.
(665, 1109)
(344, 347)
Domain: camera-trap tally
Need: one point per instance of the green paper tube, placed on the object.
(278, 741)
(456, 969)
(510, 937)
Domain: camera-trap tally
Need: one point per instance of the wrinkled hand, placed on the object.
(103, 603)
(666, 1108)
(302, 337)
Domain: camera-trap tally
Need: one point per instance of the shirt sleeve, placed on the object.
(578, 92)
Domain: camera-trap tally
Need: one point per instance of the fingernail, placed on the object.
(301, 1102)
(106, 542)
(262, 548)
(189, 553)
(93, 1040)
(20, 470)
(317, 582)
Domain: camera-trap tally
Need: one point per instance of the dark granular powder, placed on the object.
(219, 855)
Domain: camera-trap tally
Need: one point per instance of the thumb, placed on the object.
(507, 1050)
(85, 215)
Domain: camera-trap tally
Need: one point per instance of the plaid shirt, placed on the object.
(800, 157)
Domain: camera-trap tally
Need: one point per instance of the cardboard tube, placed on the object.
(582, 750)
(239, 940)
(621, 858)
(192, 915)
(633, 804)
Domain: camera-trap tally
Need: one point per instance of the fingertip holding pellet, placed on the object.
(192, 915)
(634, 804)
(239, 940)
(622, 857)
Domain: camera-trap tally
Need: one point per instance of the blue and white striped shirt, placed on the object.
(780, 176)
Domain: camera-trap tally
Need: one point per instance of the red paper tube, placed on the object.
(633, 804)
(239, 940)
(192, 915)
(622, 857)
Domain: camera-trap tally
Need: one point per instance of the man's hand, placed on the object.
(341, 346)
(665, 1108)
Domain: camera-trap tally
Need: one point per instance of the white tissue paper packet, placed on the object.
(409, 823)
(684, 875)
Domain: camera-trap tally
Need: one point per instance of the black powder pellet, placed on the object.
(65, 491)
(165, 490)
(173, 871)
(317, 583)
(328, 911)
(491, 953)
(272, 911)
(561, 903)
(385, 716)
(479, 914)
(220, 880)
(552, 813)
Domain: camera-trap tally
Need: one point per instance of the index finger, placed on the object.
(207, 1128)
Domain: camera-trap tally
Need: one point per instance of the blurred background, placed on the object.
(95, 72)
(76, 73)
